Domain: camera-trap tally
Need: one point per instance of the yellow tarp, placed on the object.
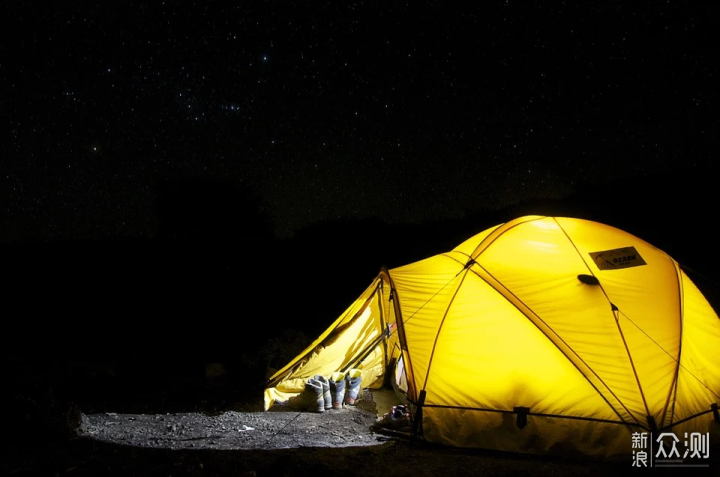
(591, 330)
(344, 344)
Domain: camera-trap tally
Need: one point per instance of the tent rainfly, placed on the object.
(545, 335)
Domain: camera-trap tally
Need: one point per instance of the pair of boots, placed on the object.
(344, 388)
(321, 393)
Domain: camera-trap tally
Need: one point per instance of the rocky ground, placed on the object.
(100, 420)
(279, 442)
(279, 428)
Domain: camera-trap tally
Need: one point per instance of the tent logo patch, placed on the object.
(625, 257)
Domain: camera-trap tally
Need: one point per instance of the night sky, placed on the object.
(344, 110)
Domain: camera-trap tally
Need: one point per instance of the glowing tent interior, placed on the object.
(541, 335)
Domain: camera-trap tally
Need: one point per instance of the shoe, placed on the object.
(326, 390)
(352, 386)
(311, 399)
(337, 389)
(398, 419)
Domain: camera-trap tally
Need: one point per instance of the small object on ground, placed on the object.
(326, 390)
(352, 386)
(337, 389)
(398, 419)
(311, 399)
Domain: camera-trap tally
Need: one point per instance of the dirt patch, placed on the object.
(279, 428)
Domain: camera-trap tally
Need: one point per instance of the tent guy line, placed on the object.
(620, 312)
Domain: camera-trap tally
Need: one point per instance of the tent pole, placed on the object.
(418, 416)
(366, 352)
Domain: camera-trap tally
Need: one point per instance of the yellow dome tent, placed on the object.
(541, 335)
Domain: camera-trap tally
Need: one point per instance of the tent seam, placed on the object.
(670, 426)
(473, 255)
(617, 322)
(559, 349)
(442, 322)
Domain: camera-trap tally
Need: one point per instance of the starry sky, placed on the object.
(343, 110)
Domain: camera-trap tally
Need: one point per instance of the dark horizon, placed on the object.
(189, 274)
(195, 208)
